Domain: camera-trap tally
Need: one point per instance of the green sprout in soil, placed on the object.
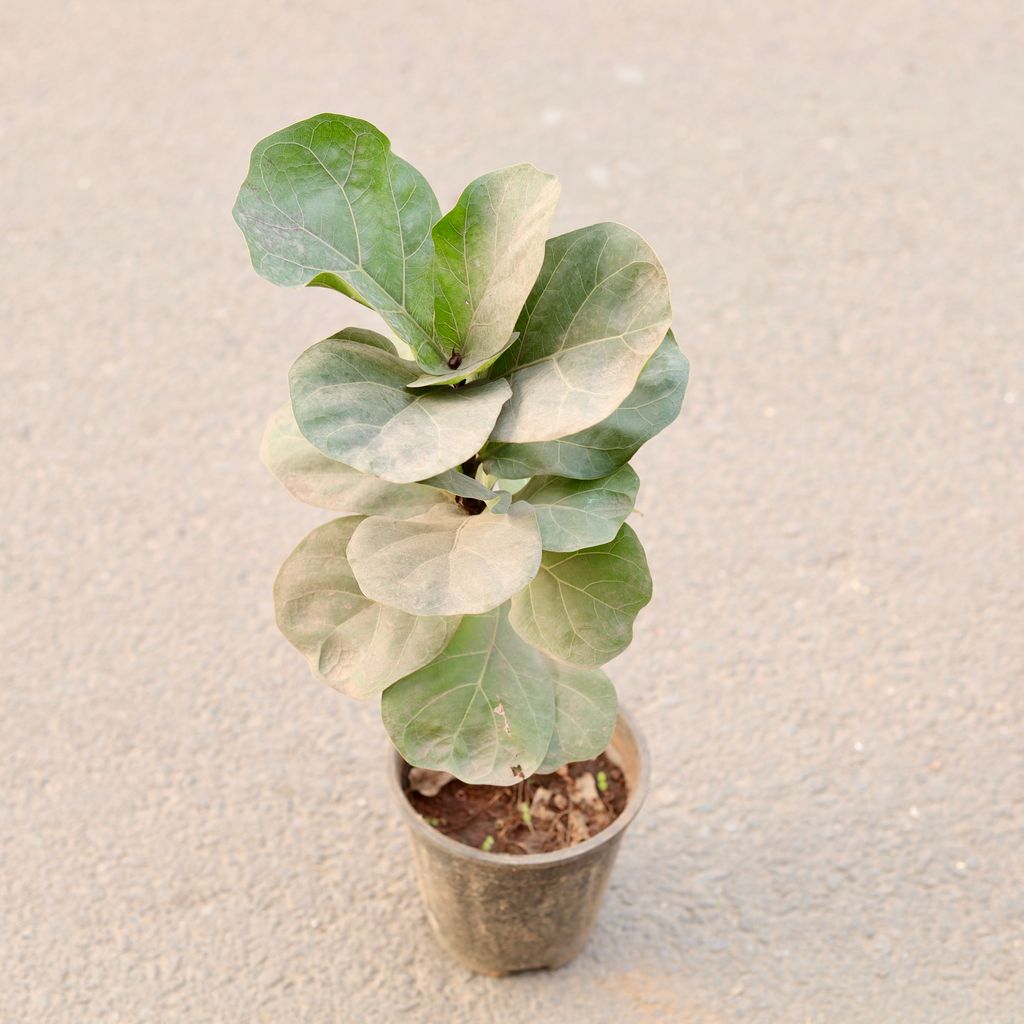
(524, 810)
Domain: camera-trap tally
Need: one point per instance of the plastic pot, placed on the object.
(503, 912)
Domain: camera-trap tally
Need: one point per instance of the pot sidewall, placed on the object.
(498, 913)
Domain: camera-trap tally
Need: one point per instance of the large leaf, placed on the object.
(351, 401)
(581, 606)
(314, 478)
(326, 202)
(599, 450)
(574, 514)
(484, 710)
(446, 562)
(585, 711)
(487, 253)
(597, 312)
(355, 644)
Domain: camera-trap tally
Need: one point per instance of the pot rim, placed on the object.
(635, 799)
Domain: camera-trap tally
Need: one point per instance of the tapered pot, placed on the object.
(499, 912)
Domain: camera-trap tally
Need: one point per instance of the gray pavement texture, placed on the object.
(830, 676)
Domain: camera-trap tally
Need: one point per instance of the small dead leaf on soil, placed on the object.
(427, 781)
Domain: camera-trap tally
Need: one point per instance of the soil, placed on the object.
(561, 809)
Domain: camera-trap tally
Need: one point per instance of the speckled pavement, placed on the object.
(830, 676)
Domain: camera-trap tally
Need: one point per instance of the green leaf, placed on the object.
(335, 283)
(353, 643)
(456, 482)
(483, 710)
(585, 712)
(455, 376)
(317, 480)
(599, 450)
(350, 400)
(513, 485)
(574, 514)
(326, 202)
(597, 312)
(445, 562)
(581, 606)
(365, 336)
(487, 253)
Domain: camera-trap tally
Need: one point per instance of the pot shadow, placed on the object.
(653, 938)
(691, 923)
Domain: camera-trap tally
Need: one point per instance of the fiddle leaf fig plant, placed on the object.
(482, 570)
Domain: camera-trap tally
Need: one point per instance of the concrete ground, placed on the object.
(830, 676)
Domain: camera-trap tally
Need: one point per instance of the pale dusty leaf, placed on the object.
(317, 480)
(599, 450)
(597, 312)
(353, 643)
(351, 401)
(446, 562)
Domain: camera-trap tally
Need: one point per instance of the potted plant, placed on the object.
(480, 570)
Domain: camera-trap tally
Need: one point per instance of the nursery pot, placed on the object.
(502, 912)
